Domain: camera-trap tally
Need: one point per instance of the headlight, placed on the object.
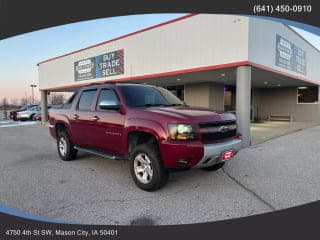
(182, 132)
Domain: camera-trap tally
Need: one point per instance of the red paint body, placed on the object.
(110, 132)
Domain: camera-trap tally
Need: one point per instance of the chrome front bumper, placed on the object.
(212, 152)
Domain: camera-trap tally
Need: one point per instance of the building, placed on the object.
(256, 68)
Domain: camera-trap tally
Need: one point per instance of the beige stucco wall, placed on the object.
(283, 101)
(205, 95)
(196, 94)
(216, 96)
(198, 41)
(262, 47)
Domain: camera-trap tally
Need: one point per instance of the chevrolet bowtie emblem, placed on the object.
(223, 129)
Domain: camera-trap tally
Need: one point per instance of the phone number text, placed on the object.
(281, 8)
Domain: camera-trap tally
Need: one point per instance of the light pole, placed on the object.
(32, 86)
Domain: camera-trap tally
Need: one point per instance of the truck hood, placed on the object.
(199, 114)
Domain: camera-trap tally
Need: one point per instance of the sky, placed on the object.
(19, 55)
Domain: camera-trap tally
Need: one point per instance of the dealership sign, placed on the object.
(289, 56)
(108, 64)
(85, 69)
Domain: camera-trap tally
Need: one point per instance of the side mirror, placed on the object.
(109, 105)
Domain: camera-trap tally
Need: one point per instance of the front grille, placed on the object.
(216, 124)
(215, 136)
(211, 131)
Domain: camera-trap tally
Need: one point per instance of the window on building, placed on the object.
(308, 94)
(86, 100)
(229, 98)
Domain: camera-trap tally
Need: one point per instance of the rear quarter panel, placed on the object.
(57, 116)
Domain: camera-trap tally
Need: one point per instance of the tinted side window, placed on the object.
(86, 100)
(68, 104)
(70, 100)
(107, 95)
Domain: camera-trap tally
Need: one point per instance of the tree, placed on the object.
(56, 98)
(15, 102)
(4, 103)
(37, 101)
(24, 101)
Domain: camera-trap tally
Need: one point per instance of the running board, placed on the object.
(101, 153)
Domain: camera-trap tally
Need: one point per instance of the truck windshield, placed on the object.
(147, 96)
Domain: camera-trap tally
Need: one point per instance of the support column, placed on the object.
(44, 106)
(243, 103)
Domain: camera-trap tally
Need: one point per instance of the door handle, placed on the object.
(95, 118)
(75, 116)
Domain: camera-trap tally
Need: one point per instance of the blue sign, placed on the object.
(290, 57)
(108, 64)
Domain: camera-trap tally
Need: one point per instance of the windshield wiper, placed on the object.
(176, 104)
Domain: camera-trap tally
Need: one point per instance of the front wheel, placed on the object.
(146, 167)
(66, 149)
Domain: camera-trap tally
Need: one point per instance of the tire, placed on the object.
(32, 117)
(214, 167)
(145, 159)
(65, 148)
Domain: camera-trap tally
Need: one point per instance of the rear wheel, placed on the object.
(214, 167)
(66, 149)
(146, 167)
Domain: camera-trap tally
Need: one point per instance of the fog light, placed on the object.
(207, 160)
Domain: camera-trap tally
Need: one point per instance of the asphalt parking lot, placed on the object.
(276, 174)
(10, 123)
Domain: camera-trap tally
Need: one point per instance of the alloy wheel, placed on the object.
(143, 168)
